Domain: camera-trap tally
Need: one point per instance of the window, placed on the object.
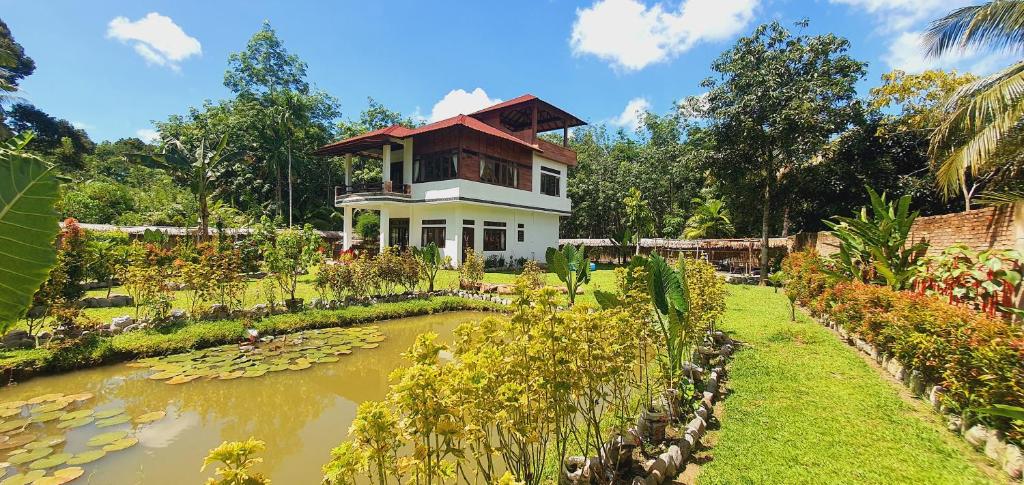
(498, 172)
(435, 166)
(550, 181)
(468, 222)
(494, 239)
(433, 232)
(521, 236)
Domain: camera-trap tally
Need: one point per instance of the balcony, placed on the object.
(389, 189)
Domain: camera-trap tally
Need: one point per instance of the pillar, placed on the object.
(347, 228)
(385, 227)
(407, 160)
(385, 172)
(348, 172)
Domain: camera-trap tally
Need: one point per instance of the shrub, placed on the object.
(291, 254)
(471, 273)
(73, 256)
(805, 276)
(707, 295)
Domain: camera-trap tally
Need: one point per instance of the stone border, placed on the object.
(1008, 457)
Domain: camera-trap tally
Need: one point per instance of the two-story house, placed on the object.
(484, 181)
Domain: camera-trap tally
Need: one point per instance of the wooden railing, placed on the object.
(557, 153)
(386, 188)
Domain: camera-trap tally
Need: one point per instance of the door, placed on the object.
(399, 233)
(468, 236)
(396, 176)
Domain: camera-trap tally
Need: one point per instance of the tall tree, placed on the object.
(15, 65)
(981, 133)
(777, 99)
(265, 66)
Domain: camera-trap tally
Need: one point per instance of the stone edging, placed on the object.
(1008, 457)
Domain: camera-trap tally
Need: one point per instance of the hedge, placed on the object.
(979, 360)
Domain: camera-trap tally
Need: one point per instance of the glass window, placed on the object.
(498, 172)
(435, 166)
(494, 239)
(550, 181)
(433, 234)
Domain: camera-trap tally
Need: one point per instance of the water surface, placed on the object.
(300, 414)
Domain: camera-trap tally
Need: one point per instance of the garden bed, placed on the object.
(92, 350)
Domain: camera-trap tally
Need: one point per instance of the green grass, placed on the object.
(806, 408)
(603, 278)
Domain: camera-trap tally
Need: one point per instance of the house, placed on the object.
(484, 181)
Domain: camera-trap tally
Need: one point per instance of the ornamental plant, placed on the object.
(471, 272)
(989, 281)
(571, 265)
(236, 459)
(289, 255)
(431, 261)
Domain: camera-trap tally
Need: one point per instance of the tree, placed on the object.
(28, 225)
(640, 220)
(198, 166)
(14, 66)
(571, 265)
(431, 261)
(289, 255)
(710, 219)
(777, 99)
(265, 66)
(980, 133)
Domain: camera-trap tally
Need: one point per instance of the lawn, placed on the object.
(805, 408)
(603, 278)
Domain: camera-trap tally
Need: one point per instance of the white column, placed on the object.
(385, 227)
(348, 171)
(385, 173)
(453, 236)
(415, 227)
(407, 160)
(347, 228)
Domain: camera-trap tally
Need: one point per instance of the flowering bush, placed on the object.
(989, 281)
(977, 358)
(805, 276)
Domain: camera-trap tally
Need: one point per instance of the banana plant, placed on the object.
(431, 261)
(670, 296)
(28, 226)
(873, 245)
(571, 266)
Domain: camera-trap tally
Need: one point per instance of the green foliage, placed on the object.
(368, 225)
(804, 276)
(572, 267)
(291, 253)
(710, 219)
(471, 272)
(639, 219)
(706, 293)
(237, 458)
(431, 262)
(28, 225)
(874, 245)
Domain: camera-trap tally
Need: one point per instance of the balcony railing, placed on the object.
(376, 188)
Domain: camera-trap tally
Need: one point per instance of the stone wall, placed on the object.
(988, 228)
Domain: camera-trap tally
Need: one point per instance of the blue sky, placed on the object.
(113, 67)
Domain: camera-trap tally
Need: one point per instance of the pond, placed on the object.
(300, 414)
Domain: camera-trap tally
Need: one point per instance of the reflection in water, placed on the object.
(300, 414)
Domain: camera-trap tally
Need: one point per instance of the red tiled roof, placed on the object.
(360, 142)
(512, 102)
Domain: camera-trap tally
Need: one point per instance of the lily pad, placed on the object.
(327, 359)
(60, 477)
(106, 413)
(46, 397)
(8, 412)
(81, 413)
(181, 379)
(76, 423)
(226, 376)
(49, 408)
(87, 457)
(12, 425)
(51, 461)
(46, 417)
(46, 441)
(24, 478)
(255, 372)
(150, 417)
(82, 396)
(114, 421)
(164, 375)
(106, 438)
(31, 455)
(13, 404)
(121, 444)
(18, 441)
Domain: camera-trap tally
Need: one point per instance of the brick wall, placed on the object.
(988, 228)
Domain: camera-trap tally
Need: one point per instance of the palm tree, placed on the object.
(710, 219)
(199, 168)
(972, 141)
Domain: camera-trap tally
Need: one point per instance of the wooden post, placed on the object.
(534, 122)
(565, 133)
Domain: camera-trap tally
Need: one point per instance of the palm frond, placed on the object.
(1000, 197)
(982, 113)
(998, 24)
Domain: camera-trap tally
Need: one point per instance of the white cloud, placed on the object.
(148, 135)
(458, 101)
(80, 125)
(896, 15)
(907, 52)
(632, 115)
(632, 36)
(156, 38)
